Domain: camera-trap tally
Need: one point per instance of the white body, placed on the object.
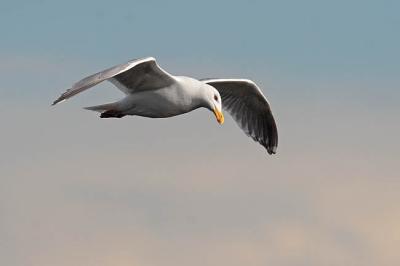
(178, 98)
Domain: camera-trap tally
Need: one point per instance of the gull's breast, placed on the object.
(165, 102)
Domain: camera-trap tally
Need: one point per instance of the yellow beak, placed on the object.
(219, 116)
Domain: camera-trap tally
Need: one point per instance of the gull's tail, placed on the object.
(107, 110)
(102, 107)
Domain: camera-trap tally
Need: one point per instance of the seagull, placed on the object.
(152, 92)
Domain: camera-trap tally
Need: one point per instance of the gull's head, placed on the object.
(214, 103)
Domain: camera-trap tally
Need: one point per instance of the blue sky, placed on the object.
(296, 37)
(79, 190)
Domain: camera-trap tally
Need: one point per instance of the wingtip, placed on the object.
(272, 150)
(57, 101)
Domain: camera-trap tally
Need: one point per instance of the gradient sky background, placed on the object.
(79, 190)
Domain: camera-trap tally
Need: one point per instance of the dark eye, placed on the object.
(216, 98)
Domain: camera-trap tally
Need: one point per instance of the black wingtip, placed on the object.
(271, 150)
(58, 101)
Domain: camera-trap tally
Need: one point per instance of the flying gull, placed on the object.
(152, 92)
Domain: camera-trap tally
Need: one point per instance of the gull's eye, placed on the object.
(216, 98)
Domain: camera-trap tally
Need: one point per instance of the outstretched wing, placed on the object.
(133, 76)
(245, 102)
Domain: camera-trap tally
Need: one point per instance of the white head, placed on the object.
(213, 102)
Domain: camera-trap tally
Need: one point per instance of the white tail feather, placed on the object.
(103, 107)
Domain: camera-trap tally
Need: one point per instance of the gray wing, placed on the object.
(245, 102)
(133, 76)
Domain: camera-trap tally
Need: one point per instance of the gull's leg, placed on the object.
(112, 114)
